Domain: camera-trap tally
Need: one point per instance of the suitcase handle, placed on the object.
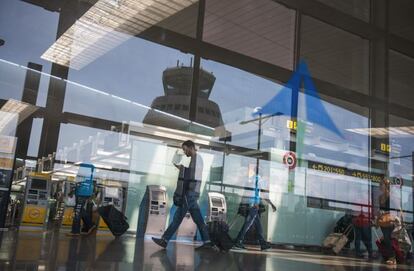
(348, 230)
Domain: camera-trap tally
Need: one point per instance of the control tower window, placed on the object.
(177, 107)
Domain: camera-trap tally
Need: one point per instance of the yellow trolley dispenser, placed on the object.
(36, 199)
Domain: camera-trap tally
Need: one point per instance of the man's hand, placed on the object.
(178, 166)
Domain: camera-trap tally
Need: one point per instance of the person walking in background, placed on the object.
(84, 190)
(362, 229)
(385, 221)
(253, 199)
(87, 215)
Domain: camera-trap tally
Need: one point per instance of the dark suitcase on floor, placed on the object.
(116, 221)
(219, 235)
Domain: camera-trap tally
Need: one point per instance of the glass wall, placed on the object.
(252, 83)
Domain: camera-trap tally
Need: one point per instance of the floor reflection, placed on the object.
(42, 251)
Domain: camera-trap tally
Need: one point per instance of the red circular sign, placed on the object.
(289, 159)
(398, 180)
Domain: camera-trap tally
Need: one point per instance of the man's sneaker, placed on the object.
(160, 241)
(239, 245)
(208, 245)
(265, 246)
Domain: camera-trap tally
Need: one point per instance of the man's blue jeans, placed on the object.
(252, 219)
(190, 205)
(80, 213)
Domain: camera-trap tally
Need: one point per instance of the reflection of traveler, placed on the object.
(362, 229)
(70, 200)
(84, 190)
(384, 221)
(342, 225)
(253, 217)
(408, 205)
(190, 194)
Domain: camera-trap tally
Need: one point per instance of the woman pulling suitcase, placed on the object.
(385, 221)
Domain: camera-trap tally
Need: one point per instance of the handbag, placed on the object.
(386, 220)
(243, 209)
(178, 198)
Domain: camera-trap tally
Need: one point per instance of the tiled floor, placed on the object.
(54, 251)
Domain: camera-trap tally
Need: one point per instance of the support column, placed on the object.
(30, 92)
(70, 11)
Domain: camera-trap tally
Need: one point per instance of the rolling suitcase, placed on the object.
(219, 235)
(399, 253)
(337, 241)
(116, 221)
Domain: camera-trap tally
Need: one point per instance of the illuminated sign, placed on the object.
(292, 124)
(385, 147)
(345, 171)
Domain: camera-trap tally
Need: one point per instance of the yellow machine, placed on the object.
(36, 199)
(68, 217)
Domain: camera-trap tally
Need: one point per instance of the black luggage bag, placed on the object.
(116, 221)
(219, 235)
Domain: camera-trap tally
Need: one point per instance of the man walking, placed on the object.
(190, 193)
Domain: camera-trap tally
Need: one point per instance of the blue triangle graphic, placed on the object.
(286, 101)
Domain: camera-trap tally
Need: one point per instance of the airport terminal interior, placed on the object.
(304, 105)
